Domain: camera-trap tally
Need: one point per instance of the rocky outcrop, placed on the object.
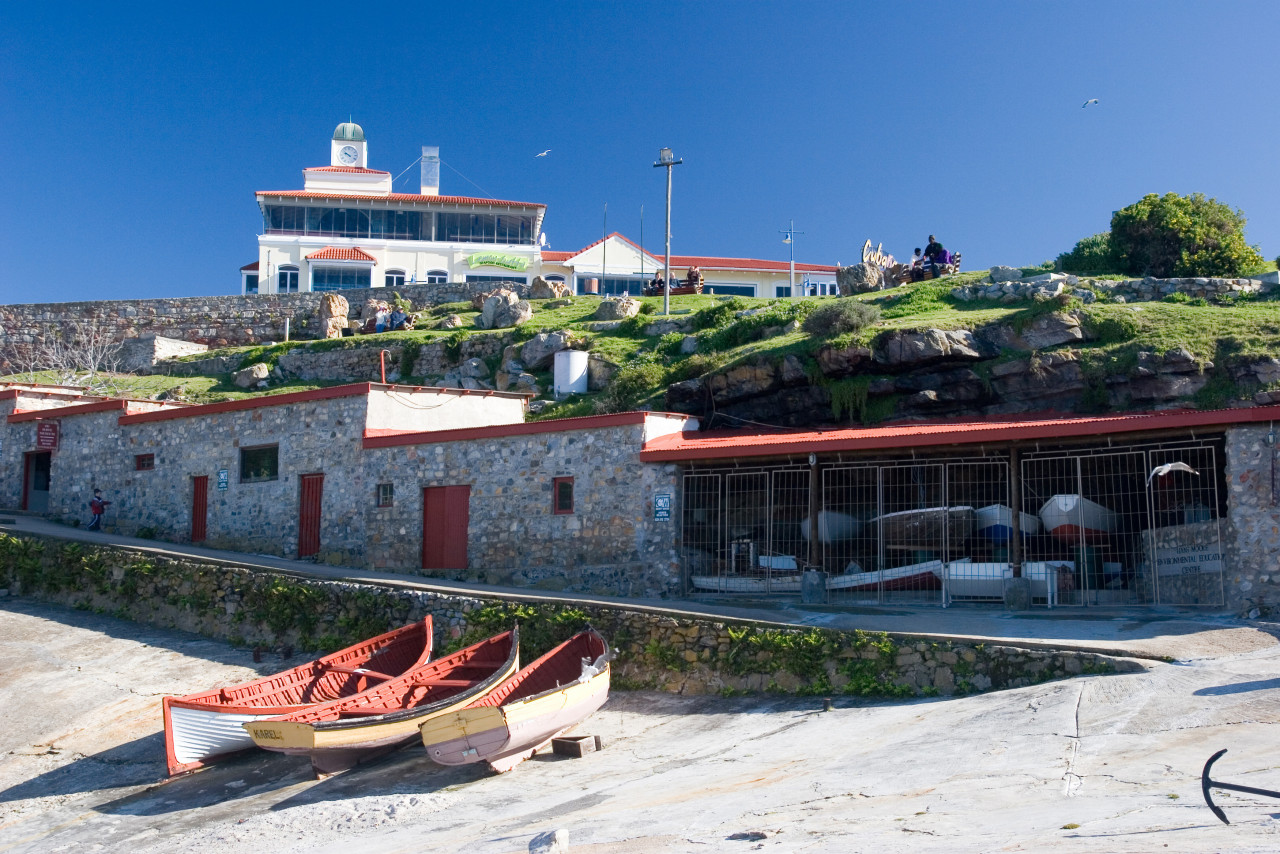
(911, 348)
(252, 375)
(542, 289)
(859, 279)
(504, 309)
(538, 353)
(617, 309)
(333, 315)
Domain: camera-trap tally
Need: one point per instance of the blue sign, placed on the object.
(662, 507)
(222, 479)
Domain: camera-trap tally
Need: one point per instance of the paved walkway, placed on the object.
(1147, 632)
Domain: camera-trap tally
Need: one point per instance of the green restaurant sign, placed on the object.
(497, 259)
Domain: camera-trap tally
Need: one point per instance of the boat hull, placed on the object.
(340, 734)
(925, 529)
(832, 527)
(1074, 519)
(506, 736)
(547, 698)
(202, 728)
(995, 523)
(916, 576)
(746, 583)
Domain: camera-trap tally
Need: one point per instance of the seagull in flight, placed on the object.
(1161, 471)
(543, 154)
(1088, 102)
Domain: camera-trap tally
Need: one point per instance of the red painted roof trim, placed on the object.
(351, 390)
(15, 393)
(387, 439)
(85, 409)
(736, 443)
(398, 197)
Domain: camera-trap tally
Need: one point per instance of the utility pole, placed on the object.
(790, 239)
(667, 159)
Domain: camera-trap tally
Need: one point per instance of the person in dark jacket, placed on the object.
(936, 255)
(97, 507)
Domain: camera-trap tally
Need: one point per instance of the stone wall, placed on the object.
(219, 321)
(610, 544)
(1253, 522)
(654, 649)
(1006, 285)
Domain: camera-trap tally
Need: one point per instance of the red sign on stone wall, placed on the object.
(46, 435)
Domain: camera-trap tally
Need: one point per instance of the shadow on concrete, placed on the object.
(1238, 688)
(135, 763)
(186, 643)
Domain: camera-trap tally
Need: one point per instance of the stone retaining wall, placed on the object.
(219, 321)
(655, 650)
(1003, 289)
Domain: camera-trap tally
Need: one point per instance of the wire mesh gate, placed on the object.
(1093, 526)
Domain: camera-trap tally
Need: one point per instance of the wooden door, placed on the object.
(445, 514)
(311, 488)
(199, 508)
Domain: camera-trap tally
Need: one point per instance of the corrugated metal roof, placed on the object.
(727, 444)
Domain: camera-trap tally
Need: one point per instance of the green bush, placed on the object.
(1174, 235)
(1090, 256)
(632, 384)
(840, 317)
(1045, 267)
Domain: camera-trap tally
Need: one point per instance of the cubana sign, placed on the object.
(498, 259)
(876, 257)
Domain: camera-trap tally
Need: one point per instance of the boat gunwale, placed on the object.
(500, 675)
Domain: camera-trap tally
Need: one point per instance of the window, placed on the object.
(395, 279)
(562, 490)
(437, 277)
(517, 279)
(251, 283)
(336, 278)
(287, 280)
(559, 279)
(342, 222)
(736, 290)
(144, 462)
(260, 464)
(386, 494)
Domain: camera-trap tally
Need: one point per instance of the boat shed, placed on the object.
(1165, 508)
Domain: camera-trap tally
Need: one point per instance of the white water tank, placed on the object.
(571, 372)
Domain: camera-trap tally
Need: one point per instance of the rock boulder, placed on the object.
(618, 309)
(333, 315)
(859, 279)
(542, 289)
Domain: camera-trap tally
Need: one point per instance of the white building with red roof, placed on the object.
(347, 228)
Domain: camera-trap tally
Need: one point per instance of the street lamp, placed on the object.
(667, 159)
(790, 240)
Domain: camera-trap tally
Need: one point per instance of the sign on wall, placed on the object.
(47, 435)
(662, 507)
(222, 478)
(498, 259)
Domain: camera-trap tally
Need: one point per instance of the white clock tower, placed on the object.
(349, 147)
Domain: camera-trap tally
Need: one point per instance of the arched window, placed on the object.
(287, 280)
(556, 278)
(395, 279)
(437, 277)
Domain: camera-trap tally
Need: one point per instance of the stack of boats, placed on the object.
(474, 705)
(929, 532)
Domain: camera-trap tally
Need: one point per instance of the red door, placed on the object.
(199, 508)
(309, 515)
(445, 513)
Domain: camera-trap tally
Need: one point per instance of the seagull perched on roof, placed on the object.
(1088, 102)
(543, 154)
(1161, 471)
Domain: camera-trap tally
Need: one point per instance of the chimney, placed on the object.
(430, 170)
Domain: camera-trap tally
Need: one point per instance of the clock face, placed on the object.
(348, 154)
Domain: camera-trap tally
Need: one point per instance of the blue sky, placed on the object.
(138, 133)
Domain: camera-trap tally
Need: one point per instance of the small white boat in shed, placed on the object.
(995, 523)
(1075, 519)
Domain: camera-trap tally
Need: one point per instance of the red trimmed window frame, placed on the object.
(144, 462)
(562, 496)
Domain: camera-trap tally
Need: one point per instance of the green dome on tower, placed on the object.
(349, 131)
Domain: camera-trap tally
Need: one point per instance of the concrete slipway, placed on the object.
(1096, 764)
